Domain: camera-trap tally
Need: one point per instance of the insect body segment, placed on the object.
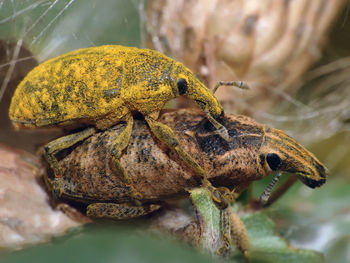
(101, 86)
(280, 152)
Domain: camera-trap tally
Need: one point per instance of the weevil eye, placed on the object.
(182, 86)
(274, 161)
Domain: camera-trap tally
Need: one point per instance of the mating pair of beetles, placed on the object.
(96, 88)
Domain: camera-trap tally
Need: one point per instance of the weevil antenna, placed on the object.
(266, 194)
(238, 84)
(281, 189)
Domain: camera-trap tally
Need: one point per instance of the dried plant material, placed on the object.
(26, 217)
(176, 221)
(268, 44)
(324, 105)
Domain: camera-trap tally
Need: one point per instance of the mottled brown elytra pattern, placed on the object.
(253, 152)
(159, 174)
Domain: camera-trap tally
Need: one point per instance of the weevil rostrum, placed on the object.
(159, 174)
(98, 87)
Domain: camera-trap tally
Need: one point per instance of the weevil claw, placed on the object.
(56, 188)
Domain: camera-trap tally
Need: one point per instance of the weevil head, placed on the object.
(190, 86)
(280, 152)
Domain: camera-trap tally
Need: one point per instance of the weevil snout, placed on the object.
(280, 152)
(190, 86)
(218, 112)
(309, 179)
(211, 107)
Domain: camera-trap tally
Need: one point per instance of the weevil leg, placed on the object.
(60, 144)
(239, 233)
(220, 129)
(222, 196)
(166, 135)
(232, 226)
(73, 213)
(218, 196)
(118, 146)
(119, 211)
(225, 226)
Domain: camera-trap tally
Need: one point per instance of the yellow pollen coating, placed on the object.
(97, 83)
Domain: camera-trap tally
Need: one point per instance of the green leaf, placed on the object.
(267, 246)
(209, 217)
(108, 243)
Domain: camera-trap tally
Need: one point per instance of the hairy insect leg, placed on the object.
(232, 228)
(225, 226)
(118, 146)
(238, 232)
(60, 144)
(222, 196)
(166, 135)
(119, 211)
(231, 225)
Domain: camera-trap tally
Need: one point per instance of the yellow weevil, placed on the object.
(101, 86)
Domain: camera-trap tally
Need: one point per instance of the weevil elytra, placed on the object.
(101, 86)
(254, 152)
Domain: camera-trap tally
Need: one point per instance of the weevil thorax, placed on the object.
(190, 86)
(280, 152)
(233, 162)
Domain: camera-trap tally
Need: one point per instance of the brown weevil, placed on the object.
(158, 173)
(253, 152)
